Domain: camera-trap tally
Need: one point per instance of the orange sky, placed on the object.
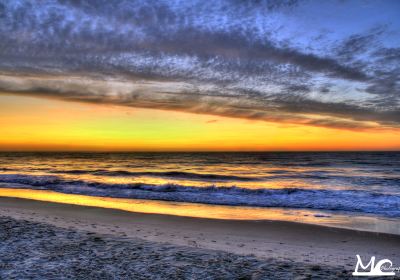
(28, 123)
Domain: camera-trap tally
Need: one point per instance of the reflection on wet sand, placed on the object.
(210, 211)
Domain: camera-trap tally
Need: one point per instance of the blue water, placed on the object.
(359, 183)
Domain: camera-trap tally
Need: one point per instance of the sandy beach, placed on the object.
(237, 249)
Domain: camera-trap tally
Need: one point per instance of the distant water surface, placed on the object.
(365, 185)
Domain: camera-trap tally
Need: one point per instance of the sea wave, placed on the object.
(357, 201)
(390, 181)
(169, 174)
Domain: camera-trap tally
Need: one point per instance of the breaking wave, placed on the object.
(357, 201)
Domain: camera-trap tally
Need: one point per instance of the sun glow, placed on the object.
(28, 123)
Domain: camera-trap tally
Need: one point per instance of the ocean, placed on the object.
(329, 187)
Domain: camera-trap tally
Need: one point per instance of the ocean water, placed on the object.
(362, 184)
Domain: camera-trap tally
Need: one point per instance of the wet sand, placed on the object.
(107, 238)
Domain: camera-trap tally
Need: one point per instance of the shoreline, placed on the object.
(212, 211)
(279, 240)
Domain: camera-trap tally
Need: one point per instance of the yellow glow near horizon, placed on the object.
(28, 123)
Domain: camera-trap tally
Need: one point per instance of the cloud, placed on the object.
(212, 121)
(233, 58)
(184, 97)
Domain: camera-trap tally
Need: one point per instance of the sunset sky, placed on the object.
(190, 76)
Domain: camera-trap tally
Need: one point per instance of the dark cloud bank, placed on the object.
(228, 58)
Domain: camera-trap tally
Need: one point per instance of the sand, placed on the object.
(73, 241)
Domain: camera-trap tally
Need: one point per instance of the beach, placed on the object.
(70, 241)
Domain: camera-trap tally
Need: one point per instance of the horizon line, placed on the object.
(195, 151)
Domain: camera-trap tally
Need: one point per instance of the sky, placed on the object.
(195, 75)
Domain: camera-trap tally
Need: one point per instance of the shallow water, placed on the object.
(324, 186)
